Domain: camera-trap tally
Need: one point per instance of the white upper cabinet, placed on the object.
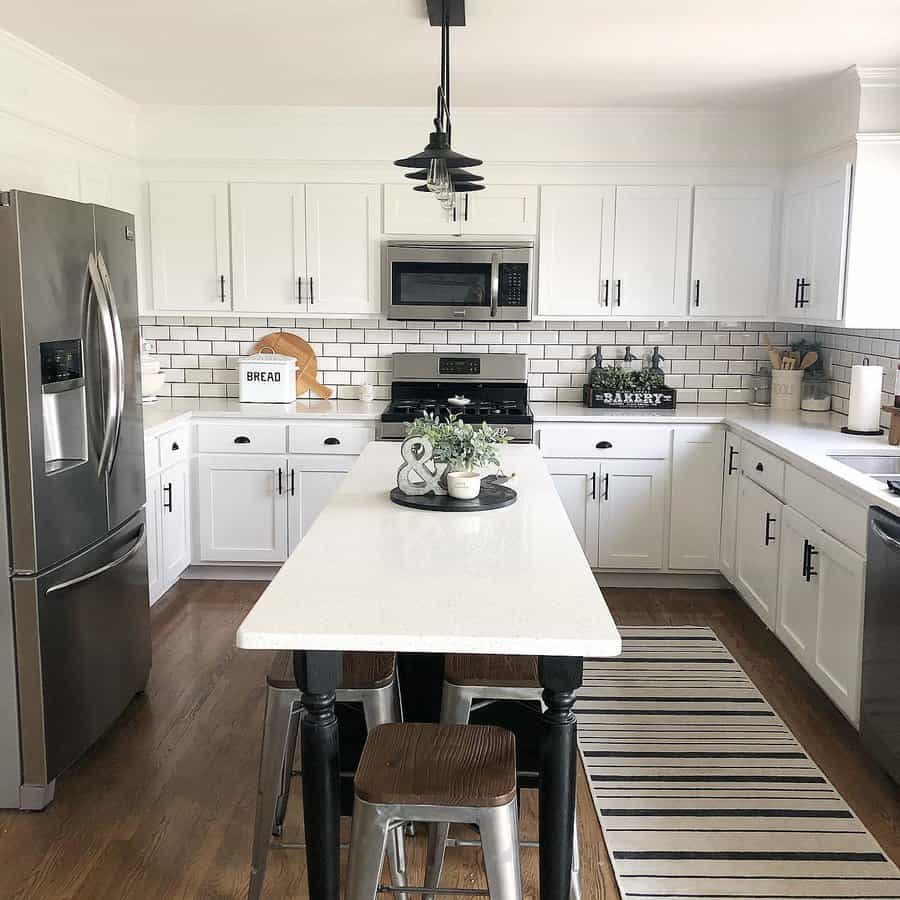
(651, 253)
(268, 247)
(731, 251)
(414, 212)
(576, 244)
(342, 248)
(814, 243)
(189, 245)
(499, 209)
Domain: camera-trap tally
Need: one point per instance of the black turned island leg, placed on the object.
(318, 675)
(560, 677)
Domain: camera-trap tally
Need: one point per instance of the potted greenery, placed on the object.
(463, 448)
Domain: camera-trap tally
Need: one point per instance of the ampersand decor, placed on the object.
(417, 453)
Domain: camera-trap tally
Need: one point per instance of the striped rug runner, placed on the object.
(701, 789)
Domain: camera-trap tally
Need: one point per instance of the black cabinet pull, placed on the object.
(331, 442)
(618, 297)
(605, 300)
(593, 485)
(222, 288)
(280, 486)
(604, 445)
(697, 292)
(606, 487)
(732, 453)
(167, 489)
(809, 551)
(466, 215)
(770, 520)
(299, 288)
(312, 295)
(796, 292)
(803, 285)
(175, 445)
(760, 467)
(292, 482)
(242, 439)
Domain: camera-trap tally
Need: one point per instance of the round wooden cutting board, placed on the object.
(307, 365)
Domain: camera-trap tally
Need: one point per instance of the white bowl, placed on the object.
(151, 384)
(464, 485)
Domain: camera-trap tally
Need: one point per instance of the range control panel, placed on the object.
(513, 284)
(456, 365)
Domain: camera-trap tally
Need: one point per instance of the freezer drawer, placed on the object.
(82, 647)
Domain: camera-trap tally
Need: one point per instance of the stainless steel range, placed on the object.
(494, 384)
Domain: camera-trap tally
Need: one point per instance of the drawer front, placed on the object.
(843, 519)
(241, 437)
(173, 447)
(339, 438)
(763, 468)
(151, 456)
(606, 442)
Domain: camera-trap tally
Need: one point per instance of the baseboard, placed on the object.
(677, 580)
(230, 573)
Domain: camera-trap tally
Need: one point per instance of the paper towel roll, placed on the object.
(865, 398)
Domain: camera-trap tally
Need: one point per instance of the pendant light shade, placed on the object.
(438, 148)
(459, 187)
(457, 176)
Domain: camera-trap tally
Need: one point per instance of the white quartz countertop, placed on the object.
(371, 575)
(166, 412)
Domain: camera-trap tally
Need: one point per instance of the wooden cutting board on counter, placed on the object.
(307, 364)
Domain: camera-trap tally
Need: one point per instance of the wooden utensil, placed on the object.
(894, 435)
(307, 364)
(788, 363)
(809, 359)
(774, 355)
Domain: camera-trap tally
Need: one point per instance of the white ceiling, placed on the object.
(562, 53)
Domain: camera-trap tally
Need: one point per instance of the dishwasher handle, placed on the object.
(884, 536)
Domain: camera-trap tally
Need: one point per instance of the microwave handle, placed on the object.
(495, 283)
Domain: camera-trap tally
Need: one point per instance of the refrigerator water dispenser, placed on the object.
(64, 407)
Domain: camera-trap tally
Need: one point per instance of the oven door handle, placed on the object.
(495, 283)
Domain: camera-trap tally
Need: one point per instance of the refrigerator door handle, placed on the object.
(105, 568)
(111, 369)
(120, 359)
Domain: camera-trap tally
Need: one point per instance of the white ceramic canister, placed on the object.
(786, 388)
(464, 485)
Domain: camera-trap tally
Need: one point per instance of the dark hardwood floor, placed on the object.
(162, 807)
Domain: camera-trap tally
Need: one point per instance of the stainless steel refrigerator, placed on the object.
(74, 609)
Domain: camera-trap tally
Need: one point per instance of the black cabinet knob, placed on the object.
(759, 467)
(604, 445)
(175, 445)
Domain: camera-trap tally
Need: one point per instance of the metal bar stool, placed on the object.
(369, 679)
(470, 682)
(436, 773)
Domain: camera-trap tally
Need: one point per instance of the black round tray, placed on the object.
(492, 496)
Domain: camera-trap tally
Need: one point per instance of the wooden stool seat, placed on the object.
(437, 765)
(492, 671)
(362, 671)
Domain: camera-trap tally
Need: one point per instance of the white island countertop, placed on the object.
(372, 575)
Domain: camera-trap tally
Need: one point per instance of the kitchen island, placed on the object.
(374, 576)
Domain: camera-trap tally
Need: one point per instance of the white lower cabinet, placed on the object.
(576, 483)
(168, 528)
(820, 607)
(696, 517)
(313, 481)
(730, 490)
(759, 522)
(632, 494)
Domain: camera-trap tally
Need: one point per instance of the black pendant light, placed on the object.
(441, 167)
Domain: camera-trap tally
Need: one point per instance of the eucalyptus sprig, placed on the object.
(461, 445)
(611, 378)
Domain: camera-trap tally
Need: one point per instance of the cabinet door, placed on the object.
(268, 247)
(838, 646)
(732, 479)
(499, 209)
(577, 483)
(242, 508)
(154, 556)
(651, 251)
(312, 481)
(575, 261)
(632, 496)
(830, 210)
(795, 244)
(696, 529)
(759, 520)
(342, 248)
(798, 592)
(412, 212)
(189, 245)
(175, 522)
(731, 251)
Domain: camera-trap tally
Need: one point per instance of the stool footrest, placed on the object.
(443, 892)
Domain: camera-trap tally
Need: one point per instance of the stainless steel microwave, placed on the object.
(466, 280)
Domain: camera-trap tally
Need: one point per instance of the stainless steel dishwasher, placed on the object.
(880, 714)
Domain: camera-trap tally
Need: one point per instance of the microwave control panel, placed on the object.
(513, 284)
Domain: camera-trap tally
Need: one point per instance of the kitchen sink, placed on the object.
(877, 465)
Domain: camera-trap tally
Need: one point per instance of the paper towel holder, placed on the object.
(876, 432)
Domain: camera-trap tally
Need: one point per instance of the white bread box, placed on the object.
(267, 378)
